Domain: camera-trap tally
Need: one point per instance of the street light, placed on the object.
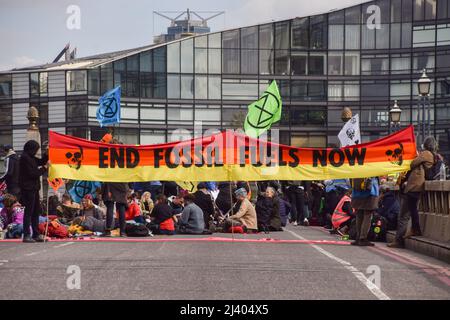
(395, 114)
(424, 86)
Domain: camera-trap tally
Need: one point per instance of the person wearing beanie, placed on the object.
(245, 215)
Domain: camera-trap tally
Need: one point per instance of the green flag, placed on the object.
(263, 112)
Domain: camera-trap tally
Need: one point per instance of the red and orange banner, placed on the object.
(226, 156)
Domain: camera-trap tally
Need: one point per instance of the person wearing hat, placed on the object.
(11, 175)
(204, 200)
(89, 209)
(245, 215)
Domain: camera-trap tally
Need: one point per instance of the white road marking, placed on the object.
(4, 261)
(64, 244)
(358, 274)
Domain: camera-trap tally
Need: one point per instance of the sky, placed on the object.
(33, 32)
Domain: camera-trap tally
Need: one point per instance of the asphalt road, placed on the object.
(221, 270)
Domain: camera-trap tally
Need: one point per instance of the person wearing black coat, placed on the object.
(268, 211)
(389, 207)
(225, 197)
(11, 175)
(115, 193)
(31, 169)
(204, 200)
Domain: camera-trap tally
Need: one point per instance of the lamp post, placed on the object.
(424, 85)
(394, 115)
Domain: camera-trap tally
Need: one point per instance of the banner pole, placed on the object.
(46, 209)
(231, 212)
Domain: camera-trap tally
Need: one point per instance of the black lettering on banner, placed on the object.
(218, 161)
(186, 154)
(103, 157)
(199, 162)
(243, 155)
(341, 157)
(357, 154)
(132, 158)
(117, 156)
(294, 156)
(157, 157)
(168, 163)
(319, 156)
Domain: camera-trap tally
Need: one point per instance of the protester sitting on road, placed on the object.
(176, 203)
(245, 215)
(365, 201)
(343, 215)
(146, 204)
(191, 219)
(68, 209)
(388, 207)
(53, 204)
(411, 187)
(11, 216)
(90, 223)
(163, 219)
(133, 211)
(205, 201)
(31, 169)
(268, 211)
(89, 209)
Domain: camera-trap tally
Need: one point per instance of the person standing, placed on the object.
(115, 193)
(410, 190)
(31, 169)
(11, 175)
(365, 202)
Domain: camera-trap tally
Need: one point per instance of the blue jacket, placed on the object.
(373, 192)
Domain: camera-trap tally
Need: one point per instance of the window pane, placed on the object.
(282, 35)
(201, 42)
(336, 17)
(208, 114)
(374, 90)
(214, 88)
(406, 35)
(159, 59)
(336, 37)
(215, 40)
(187, 87)
(187, 56)
(201, 87)
(299, 63)
(335, 63)
(230, 39)
(5, 86)
(249, 60)
(317, 64)
(201, 60)
(76, 111)
(120, 75)
(400, 64)
(318, 32)
(282, 62)
(352, 63)
(240, 89)
(352, 36)
(266, 36)
(353, 15)
(383, 37)
(423, 60)
(374, 65)
(6, 115)
(396, 10)
(430, 9)
(173, 57)
(173, 86)
(160, 88)
(443, 36)
(441, 9)
(266, 61)
(299, 89)
(300, 31)
(418, 10)
(400, 90)
(34, 84)
(249, 38)
(43, 85)
(368, 38)
(94, 81)
(214, 61)
(132, 76)
(396, 35)
(351, 91)
(423, 37)
(76, 81)
(317, 90)
(407, 10)
(106, 82)
(231, 61)
(156, 114)
(335, 91)
(149, 137)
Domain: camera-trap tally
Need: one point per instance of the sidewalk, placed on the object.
(432, 248)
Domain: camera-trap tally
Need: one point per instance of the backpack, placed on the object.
(378, 227)
(434, 173)
(136, 230)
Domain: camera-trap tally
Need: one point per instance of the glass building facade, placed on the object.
(364, 57)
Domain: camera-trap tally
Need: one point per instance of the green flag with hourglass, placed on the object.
(263, 112)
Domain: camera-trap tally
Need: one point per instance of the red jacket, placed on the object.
(132, 211)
